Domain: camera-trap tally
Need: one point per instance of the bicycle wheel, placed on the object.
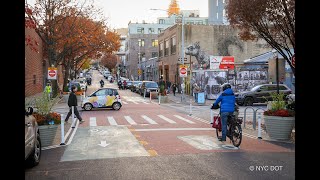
(219, 133)
(236, 135)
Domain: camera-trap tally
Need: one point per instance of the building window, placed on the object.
(160, 30)
(140, 30)
(141, 42)
(199, 22)
(151, 30)
(217, 3)
(161, 49)
(173, 45)
(224, 13)
(143, 56)
(223, 1)
(154, 54)
(34, 79)
(162, 21)
(217, 16)
(166, 47)
(154, 42)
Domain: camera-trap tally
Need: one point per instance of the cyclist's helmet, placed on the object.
(225, 86)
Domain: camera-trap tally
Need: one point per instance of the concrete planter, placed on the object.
(47, 134)
(279, 128)
(163, 99)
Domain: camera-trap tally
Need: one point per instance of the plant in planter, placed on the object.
(279, 120)
(47, 120)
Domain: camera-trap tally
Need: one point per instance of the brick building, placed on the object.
(34, 66)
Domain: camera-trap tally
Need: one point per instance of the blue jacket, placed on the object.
(227, 99)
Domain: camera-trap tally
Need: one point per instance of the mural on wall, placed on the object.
(210, 81)
(203, 60)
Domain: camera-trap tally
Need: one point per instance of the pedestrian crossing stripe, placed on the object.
(131, 121)
(148, 119)
(112, 121)
(124, 102)
(93, 121)
(167, 119)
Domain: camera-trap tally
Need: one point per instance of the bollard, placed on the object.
(144, 94)
(150, 96)
(73, 119)
(211, 116)
(62, 130)
(159, 98)
(190, 108)
(259, 126)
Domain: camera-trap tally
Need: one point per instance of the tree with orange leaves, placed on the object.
(271, 20)
(70, 33)
(109, 61)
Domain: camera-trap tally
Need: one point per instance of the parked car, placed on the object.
(134, 85)
(102, 98)
(32, 139)
(148, 86)
(260, 94)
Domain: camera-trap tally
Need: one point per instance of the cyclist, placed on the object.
(227, 107)
(101, 83)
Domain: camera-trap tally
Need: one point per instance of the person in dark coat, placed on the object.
(72, 101)
(174, 88)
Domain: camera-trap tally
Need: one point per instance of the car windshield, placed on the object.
(255, 88)
(152, 85)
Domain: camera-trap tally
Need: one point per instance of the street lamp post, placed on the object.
(275, 53)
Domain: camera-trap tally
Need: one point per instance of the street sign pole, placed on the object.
(182, 52)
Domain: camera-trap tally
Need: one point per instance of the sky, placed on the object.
(120, 12)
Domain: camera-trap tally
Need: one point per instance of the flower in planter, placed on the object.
(49, 119)
(279, 107)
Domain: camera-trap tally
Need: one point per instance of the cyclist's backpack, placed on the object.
(216, 122)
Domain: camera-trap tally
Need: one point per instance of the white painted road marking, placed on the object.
(167, 119)
(93, 121)
(145, 102)
(131, 121)
(184, 119)
(148, 119)
(112, 121)
(124, 102)
(176, 129)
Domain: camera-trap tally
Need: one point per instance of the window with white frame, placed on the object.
(161, 49)
(154, 42)
(140, 30)
(151, 30)
(173, 44)
(141, 42)
(166, 47)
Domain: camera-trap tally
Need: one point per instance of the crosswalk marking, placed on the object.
(134, 102)
(145, 102)
(112, 121)
(93, 121)
(148, 119)
(184, 119)
(124, 102)
(167, 119)
(131, 121)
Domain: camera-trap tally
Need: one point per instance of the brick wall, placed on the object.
(34, 74)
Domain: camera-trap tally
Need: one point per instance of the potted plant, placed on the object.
(279, 119)
(47, 120)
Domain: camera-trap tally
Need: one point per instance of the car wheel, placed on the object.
(116, 106)
(248, 101)
(34, 157)
(87, 107)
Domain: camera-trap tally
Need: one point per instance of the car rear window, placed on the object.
(151, 85)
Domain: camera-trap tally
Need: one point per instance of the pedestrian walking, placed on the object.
(72, 102)
(174, 88)
(48, 90)
(196, 90)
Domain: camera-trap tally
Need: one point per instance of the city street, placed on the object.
(145, 140)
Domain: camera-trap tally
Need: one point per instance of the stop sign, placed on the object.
(52, 73)
(183, 71)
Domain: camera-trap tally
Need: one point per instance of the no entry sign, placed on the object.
(183, 71)
(52, 73)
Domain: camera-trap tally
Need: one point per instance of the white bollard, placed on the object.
(62, 130)
(190, 107)
(259, 126)
(144, 94)
(73, 119)
(159, 98)
(211, 116)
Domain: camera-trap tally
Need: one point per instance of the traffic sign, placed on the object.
(183, 71)
(52, 73)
